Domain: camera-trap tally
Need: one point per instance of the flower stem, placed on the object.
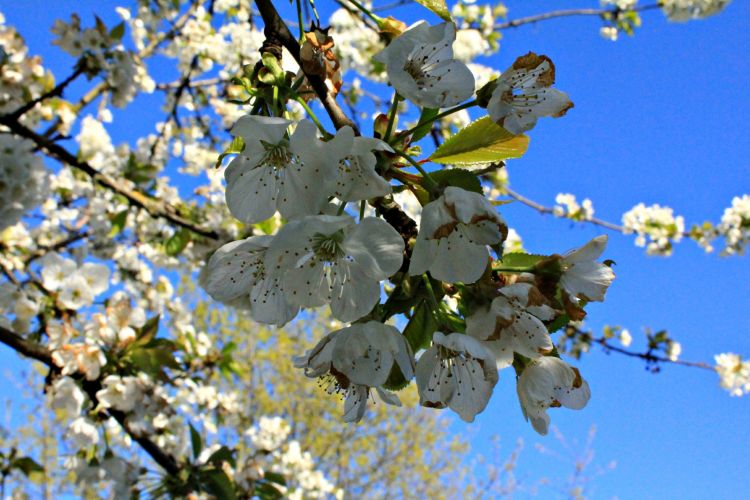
(312, 116)
(392, 116)
(342, 206)
(431, 185)
(367, 12)
(301, 22)
(362, 206)
(445, 113)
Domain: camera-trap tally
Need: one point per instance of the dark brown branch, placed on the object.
(154, 207)
(276, 31)
(40, 353)
(54, 92)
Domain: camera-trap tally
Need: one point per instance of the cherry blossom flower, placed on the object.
(294, 176)
(513, 323)
(67, 396)
(80, 358)
(236, 274)
(453, 236)
(83, 433)
(421, 66)
(523, 94)
(358, 179)
(550, 382)
(328, 258)
(120, 393)
(583, 277)
(353, 360)
(457, 372)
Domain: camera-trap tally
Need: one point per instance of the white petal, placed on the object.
(230, 270)
(422, 256)
(589, 280)
(459, 260)
(430, 378)
(388, 397)
(269, 304)
(251, 190)
(472, 390)
(96, 275)
(530, 336)
(256, 128)
(307, 286)
(376, 246)
(588, 252)
(355, 403)
(356, 297)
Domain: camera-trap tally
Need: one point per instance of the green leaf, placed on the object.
(438, 7)
(117, 32)
(275, 477)
(517, 259)
(459, 178)
(424, 125)
(219, 484)
(482, 141)
(177, 242)
(118, 223)
(195, 441)
(419, 330)
(237, 146)
(559, 322)
(223, 454)
(148, 330)
(27, 465)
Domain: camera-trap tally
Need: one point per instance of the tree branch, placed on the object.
(40, 353)
(276, 30)
(54, 92)
(153, 206)
(514, 23)
(549, 210)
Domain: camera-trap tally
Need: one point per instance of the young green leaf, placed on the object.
(438, 7)
(482, 141)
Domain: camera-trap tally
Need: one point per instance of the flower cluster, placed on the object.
(656, 228)
(735, 225)
(684, 10)
(23, 179)
(567, 206)
(734, 373)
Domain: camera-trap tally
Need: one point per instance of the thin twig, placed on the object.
(514, 23)
(550, 210)
(153, 206)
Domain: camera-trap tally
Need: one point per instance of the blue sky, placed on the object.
(658, 118)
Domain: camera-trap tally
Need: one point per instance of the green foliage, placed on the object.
(438, 7)
(118, 223)
(235, 147)
(425, 123)
(176, 243)
(482, 141)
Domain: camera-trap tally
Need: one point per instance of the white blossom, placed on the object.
(357, 179)
(269, 433)
(655, 224)
(513, 323)
(295, 176)
(550, 382)
(353, 360)
(421, 66)
(583, 277)
(236, 273)
(684, 10)
(120, 393)
(523, 94)
(83, 432)
(79, 358)
(67, 396)
(328, 258)
(24, 179)
(735, 225)
(567, 206)
(734, 373)
(458, 372)
(453, 236)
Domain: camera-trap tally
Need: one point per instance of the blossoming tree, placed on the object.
(395, 226)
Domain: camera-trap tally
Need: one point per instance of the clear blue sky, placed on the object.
(658, 118)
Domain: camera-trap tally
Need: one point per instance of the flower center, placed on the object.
(277, 155)
(328, 246)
